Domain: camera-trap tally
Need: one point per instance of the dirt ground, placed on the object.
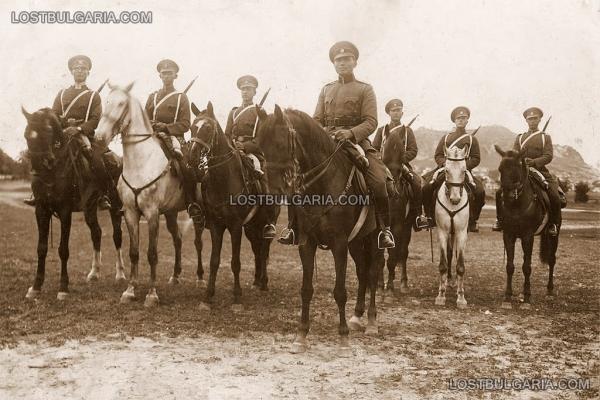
(91, 347)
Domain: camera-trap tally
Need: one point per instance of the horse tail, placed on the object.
(548, 246)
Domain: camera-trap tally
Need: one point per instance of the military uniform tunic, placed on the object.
(173, 111)
(464, 139)
(83, 105)
(398, 136)
(538, 147)
(240, 127)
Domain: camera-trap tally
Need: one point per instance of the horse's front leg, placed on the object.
(372, 262)
(527, 246)
(116, 218)
(357, 252)
(307, 257)
(444, 266)
(403, 257)
(236, 266)
(198, 229)
(340, 258)
(132, 219)
(153, 225)
(509, 245)
(63, 252)
(460, 244)
(173, 228)
(216, 237)
(90, 214)
(43, 216)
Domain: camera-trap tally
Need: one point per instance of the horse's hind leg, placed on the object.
(115, 217)
(43, 216)
(91, 219)
(236, 265)
(307, 257)
(357, 253)
(444, 266)
(63, 252)
(216, 237)
(527, 246)
(132, 218)
(460, 245)
(198, 229)
(373, 253)
(340, 257)
(403, 257)
(173, 228)
(509, 246)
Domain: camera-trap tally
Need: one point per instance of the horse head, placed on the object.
(456, 168)
(513, 172)
(207, 135)
(42, 133)
(116, 117)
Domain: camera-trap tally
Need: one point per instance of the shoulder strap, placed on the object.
(177, 109)
(87, 113)
(62, 105)
(74, 101)
(243, 110)
(522, 143)
(156, 105)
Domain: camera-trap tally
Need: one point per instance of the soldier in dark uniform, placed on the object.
(459, 138)
(347, 109)
(79, 109)
(169, 113)
(538, 152)
(241, 131)
(403, 136)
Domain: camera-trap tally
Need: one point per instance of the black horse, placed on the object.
(525, 216)
(227, 179)
(302, 158)
(62, 184)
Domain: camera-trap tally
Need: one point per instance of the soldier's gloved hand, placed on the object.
(528, 161)
(343, 134)
(238, 145)
(70, 131)
(160, 127)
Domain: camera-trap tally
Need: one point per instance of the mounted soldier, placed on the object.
(347, 109)
(169, 113)
(79, 109)
(405, 137)
(536, 147)
(458, 138)
(241, 131)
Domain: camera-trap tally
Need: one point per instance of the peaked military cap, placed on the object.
(342, 49)
(460, 111)
(533, 112)
(78, 60)
(247, 80)
(166, 65)
(394, 103)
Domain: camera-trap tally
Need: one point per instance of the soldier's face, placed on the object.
(167, 76)
(248, 93)
(344, 65)
(396, 114)
(533, 122)
(461, 121)
(80, 73)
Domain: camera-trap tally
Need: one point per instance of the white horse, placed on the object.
(147, 187)
(452, 217)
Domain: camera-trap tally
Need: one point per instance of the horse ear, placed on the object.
(111, 87)
(262, 114)
(210, 110)
(128, 87)
(25, 113)
(278, 114)
(195, 109)
(499, 150)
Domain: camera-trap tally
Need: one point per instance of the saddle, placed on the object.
(540, 192)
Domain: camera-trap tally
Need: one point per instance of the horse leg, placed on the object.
(527, 246)
(153, 225)
(307, 257)
(460, 245)
(256, 250)
(91, 219)
(403, 257)
(132, 219)
(216, 237)
(509, 245)
(549, 245)
(357, 253)
(444, 266)
(371, 264)
(340, 258)
(43, 216)
(392, 261)
(198, 229)
(236, 243)
(63, 252)
(173, 228)
(265, 249)
(115, 218)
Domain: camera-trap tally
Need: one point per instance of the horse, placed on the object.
(61, 189)
(226, 179)
(452, 216)
(302, 158)
(147, 187)
(402, 215)
(524, 217)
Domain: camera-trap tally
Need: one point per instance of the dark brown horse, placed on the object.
(524, 217)
(226, 180)
(61, 187)
(302, 158)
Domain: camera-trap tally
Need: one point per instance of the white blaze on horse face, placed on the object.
(200, 123)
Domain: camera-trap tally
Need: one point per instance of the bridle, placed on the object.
(460, 185)
(518, 190)
(206, 153)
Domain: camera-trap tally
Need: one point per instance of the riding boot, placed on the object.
(497, 227)
(477, 205)
(555, 213)
(189, 190)
(30, 201)
(385, 239)
(289, 235)
(103, 179)
(416, 203)
(429, 203)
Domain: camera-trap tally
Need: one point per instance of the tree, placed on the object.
(581, 192)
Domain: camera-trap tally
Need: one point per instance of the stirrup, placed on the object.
(381, 235)
(497, 227)
(288, 237)
(473, 227)
(269, 231)
(30, 201)
(421, 222)
(553, 230)
(195, 212)
(104, 203)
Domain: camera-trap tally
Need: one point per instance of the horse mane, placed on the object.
(316, 138)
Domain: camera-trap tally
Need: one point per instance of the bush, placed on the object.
(581, 192)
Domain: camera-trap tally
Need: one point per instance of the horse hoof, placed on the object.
(127, 297)
(62, 296)
(506, 305)
(372, 330)
(200, 283)
(237, 308)
(92, 277)
(204, 307)
(389, 298)
(525, 306)
(32, 293)
(461, 304)
(298, 348)
(355, 324)
(404, 289)
(440, 301)
(119, 279)
(151, 301)
(173, 280)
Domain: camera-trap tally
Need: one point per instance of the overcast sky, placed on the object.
(496, 57)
